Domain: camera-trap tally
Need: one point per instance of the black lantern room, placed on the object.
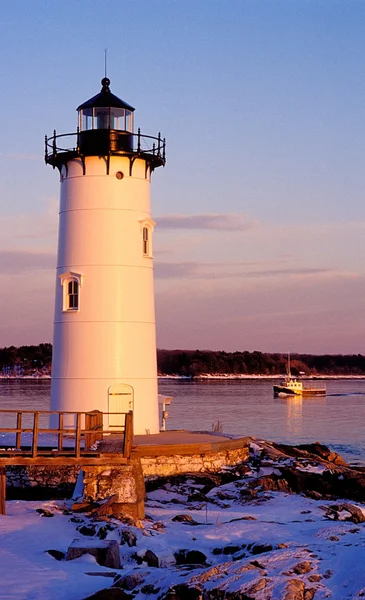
(100, 115)
(105, 128)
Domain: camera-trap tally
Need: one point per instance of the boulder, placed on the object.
(57, 554)
(106, 552)
(151, 559)
(129, 582)
(44, 513)
(302, 567)
(186, 519)
(190, 557)
(128, 537)
(88, 530)
(294, 590)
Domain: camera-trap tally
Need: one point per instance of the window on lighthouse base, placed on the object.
(72, 295)
(146, 246)
(147, 226)
(71, 283)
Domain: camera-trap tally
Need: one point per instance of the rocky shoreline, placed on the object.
(288, 524)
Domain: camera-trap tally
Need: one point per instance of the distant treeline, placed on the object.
(198, 362)
(191, 363)
(26, 359)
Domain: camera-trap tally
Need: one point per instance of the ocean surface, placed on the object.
(243, 408)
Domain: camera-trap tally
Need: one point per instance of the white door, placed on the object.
(120, 401)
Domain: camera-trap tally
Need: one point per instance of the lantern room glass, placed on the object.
(99, 117)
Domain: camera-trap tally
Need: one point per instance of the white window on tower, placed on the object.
(72, 295)
(145, 242)
(71, 284)
(147, 226)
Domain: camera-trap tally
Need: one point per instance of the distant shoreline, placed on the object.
(206, 377)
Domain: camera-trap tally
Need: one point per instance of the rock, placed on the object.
(105, 552)
(314, 578)
(57, 554)
(128, 537)
(302, 567)
(309, 594)
(149, 589)
(260, 548)
(102, 533)
(184, 592)
(186, 519)
(323, 452)
(44, 513)
(356, 513)
(151, 559)
(328, 574)
(110, 594)
(294, 590)
(129, 582)
(259, 585)
(158, 526)
(190, 557)
(88, 530)
(231, 549)
(79, 507)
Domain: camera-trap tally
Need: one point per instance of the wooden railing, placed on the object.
(77, 433)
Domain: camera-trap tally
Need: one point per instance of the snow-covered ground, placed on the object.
(267, 545)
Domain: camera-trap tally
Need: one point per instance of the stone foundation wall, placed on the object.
(208, 462)
(109, 480)
(124, 482)
(37, 476)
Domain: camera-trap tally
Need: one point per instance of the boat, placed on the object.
(295, 387)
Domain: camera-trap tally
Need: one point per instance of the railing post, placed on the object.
(35, 435)
(78, 436)
(128, 434)
(54, 142)
(60, 433)
(139, 140)
(153, 148)
(159, 144)
(89, 438)
(164, 150)
(18, 438)
(45, 148)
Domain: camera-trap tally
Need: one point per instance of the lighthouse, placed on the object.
(104, 340)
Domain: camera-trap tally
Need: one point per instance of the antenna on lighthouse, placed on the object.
(105, 60)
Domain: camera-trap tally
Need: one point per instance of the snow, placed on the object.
(298, 528)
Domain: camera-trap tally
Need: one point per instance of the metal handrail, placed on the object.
(157, 146)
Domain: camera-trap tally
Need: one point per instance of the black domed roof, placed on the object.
(105, 98)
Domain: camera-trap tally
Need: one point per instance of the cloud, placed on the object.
(18, 261)
(221, 270)
(207, 221)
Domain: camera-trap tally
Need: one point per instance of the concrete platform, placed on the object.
(176, 442)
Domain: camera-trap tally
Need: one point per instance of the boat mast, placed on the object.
(289, 374)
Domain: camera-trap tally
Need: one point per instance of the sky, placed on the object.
(259, 243)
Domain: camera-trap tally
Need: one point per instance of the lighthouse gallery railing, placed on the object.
(144, 145)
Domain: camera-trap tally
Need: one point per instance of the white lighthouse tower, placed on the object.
(104, 344)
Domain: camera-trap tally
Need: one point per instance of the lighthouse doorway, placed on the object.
(120, 401)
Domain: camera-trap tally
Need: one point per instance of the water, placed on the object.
(243, 408)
